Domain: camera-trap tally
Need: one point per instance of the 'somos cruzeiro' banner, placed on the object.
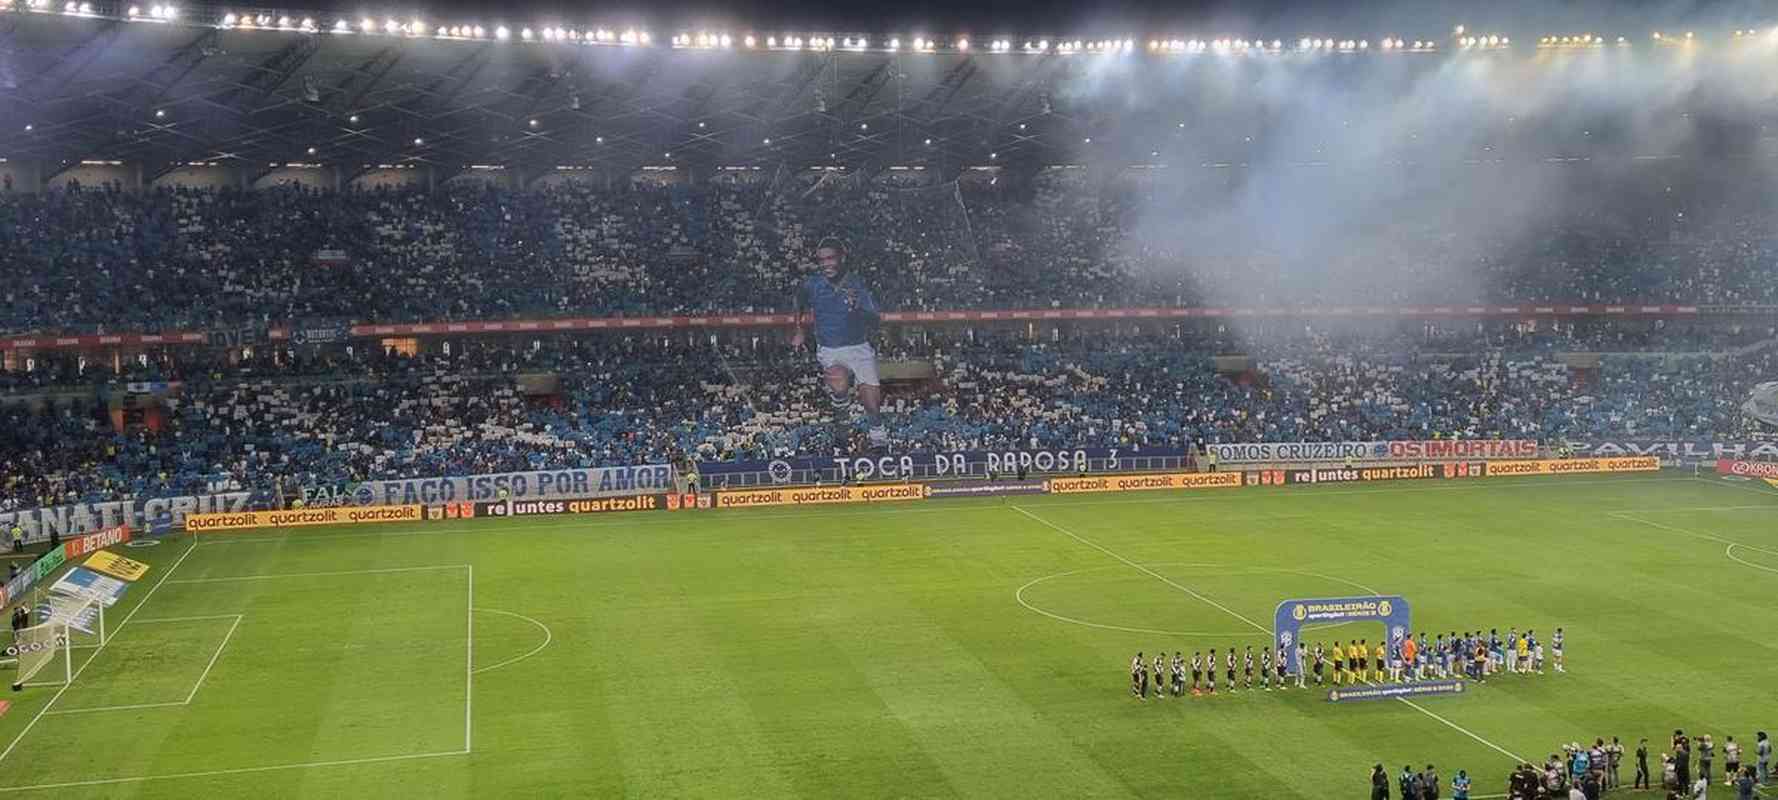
(1408, 450)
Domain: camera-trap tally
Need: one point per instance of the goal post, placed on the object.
(44, 653)
(84, 615)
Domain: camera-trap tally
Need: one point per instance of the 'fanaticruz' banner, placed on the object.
(1747, 469)
(1409, 450)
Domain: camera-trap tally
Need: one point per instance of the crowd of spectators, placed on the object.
(478, 406)
(82, 259)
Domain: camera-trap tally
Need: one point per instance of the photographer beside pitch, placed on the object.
(845, 317)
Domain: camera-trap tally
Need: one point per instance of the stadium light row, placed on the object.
(415, 28)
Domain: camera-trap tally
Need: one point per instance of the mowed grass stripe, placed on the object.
(815, 707)
(684, 730)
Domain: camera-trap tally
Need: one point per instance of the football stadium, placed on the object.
(548, 407)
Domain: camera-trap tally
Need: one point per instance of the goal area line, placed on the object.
(166, 577)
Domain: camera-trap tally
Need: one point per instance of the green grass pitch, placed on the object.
(972, 648)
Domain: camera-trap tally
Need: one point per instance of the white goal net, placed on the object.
(44, 653)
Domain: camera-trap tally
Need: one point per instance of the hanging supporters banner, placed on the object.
(951, 464)
(318, 332)
(156, 514)
(562, 484)
(1409, 450)
(1689, 450)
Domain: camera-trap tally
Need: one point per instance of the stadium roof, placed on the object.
(161, 87)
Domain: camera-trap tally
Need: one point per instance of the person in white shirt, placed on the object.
(1700, 788)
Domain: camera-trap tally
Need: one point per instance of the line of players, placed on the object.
(1472, 654)
(1273, 668)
